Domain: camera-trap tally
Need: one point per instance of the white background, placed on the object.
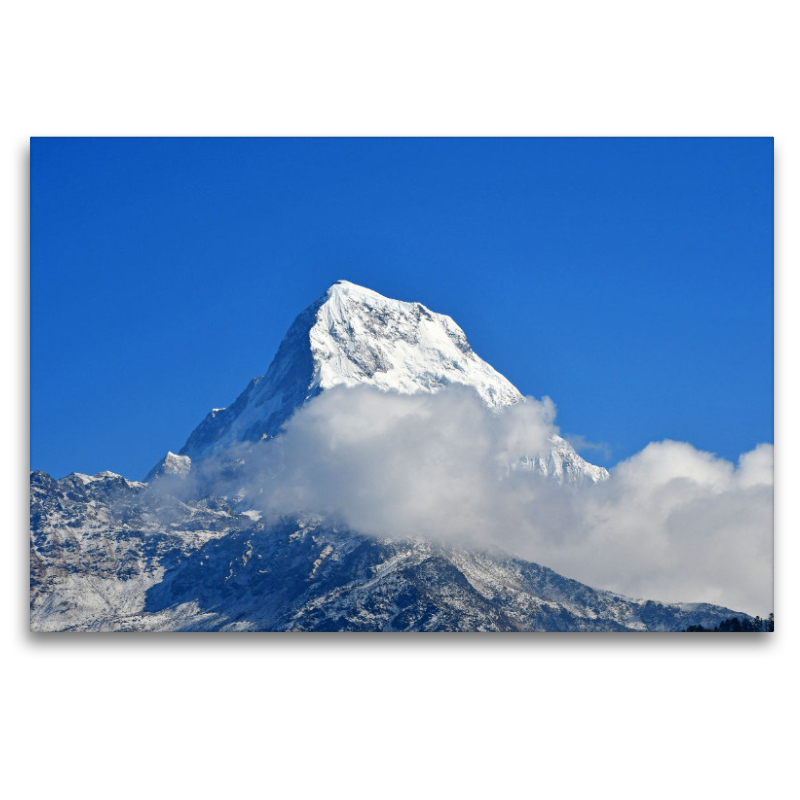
(433, 716)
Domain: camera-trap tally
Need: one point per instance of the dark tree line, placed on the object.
(737, 625)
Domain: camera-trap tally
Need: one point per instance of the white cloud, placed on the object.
(672, 523)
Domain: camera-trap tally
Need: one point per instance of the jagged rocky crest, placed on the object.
(108, 553)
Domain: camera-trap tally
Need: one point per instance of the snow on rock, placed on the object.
(171, 465)
(361, 337)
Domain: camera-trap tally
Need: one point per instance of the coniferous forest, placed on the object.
(737, 625)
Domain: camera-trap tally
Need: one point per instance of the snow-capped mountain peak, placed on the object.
(171, 465)
(354, 336)
(361, 337)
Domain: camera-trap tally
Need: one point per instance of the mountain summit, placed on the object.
(351, 336)
(354, 336)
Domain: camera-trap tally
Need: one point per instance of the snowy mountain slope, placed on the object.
(111, 554)
(99, 542)
(354, 336)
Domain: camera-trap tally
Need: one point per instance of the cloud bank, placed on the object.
(673, 523)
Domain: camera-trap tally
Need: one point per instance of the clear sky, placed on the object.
(629, 279)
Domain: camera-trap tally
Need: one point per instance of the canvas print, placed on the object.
(386, 385)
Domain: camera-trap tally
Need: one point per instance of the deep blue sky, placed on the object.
(629, 279)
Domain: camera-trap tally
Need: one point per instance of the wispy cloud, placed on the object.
(583, 445)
